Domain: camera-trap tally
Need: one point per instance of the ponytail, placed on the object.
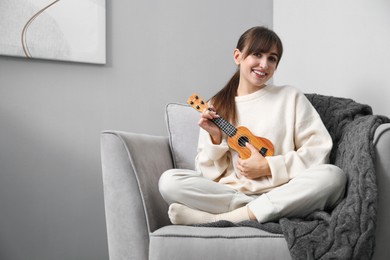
(224, 100)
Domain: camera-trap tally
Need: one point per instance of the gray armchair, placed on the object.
(137, 223)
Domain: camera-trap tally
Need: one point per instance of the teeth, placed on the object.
(259, 73)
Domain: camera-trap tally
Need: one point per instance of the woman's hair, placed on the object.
(255, 40)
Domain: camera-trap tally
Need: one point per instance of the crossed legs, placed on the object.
(194, 199)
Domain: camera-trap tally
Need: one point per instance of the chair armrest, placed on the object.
(131, 167)
(382, 163)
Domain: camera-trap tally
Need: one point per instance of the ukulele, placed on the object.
(237, 137)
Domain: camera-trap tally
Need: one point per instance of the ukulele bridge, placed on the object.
(263, 151)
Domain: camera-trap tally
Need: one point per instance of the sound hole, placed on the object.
(243, 140)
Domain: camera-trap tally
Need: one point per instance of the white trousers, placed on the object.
(316, 188)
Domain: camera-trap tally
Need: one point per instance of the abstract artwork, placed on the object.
(67, 30)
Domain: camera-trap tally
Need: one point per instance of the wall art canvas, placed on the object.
(67, 30)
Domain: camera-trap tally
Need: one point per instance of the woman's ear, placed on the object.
(237, 55)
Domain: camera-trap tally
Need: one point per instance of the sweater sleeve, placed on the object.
(212, 160)
(312, 145)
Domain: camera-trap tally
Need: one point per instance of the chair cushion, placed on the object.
(186, 242)
(183, 131)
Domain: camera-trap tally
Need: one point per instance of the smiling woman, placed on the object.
(52, 29)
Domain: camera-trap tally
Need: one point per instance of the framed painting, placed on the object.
(67, 30)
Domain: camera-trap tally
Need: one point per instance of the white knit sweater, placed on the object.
(284, 116)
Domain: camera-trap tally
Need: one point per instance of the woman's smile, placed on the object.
(260, 74)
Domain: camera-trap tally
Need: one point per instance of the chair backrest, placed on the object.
(183, 133)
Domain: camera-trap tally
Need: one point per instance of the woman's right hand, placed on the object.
(206, 123)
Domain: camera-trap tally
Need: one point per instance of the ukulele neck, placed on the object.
(199, 105)
(225, 126)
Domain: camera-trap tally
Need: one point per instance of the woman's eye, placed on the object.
(273, 59)
(257, 54)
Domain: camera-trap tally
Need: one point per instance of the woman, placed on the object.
(293, 182)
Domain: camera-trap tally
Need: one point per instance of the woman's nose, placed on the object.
(263, 63)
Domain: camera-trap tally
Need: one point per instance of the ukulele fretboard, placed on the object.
(225, 126)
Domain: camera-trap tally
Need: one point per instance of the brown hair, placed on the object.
(255, 40)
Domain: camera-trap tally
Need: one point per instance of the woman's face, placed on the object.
(257, 68)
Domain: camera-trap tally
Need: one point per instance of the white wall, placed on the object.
(51, 115)
(339, 48)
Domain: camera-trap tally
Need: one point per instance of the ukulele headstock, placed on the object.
(196, 102)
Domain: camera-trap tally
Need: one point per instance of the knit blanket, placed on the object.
(348, 231)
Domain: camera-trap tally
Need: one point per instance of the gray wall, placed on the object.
(338, 48)
(51, 114)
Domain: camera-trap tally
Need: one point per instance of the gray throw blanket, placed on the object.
(348, 231)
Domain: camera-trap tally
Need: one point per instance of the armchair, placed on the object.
(136, 215)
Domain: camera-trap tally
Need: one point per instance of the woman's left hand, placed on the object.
(255, 166)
